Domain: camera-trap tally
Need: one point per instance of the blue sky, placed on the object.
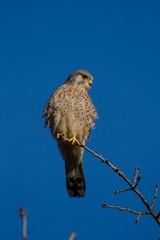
(41, 43)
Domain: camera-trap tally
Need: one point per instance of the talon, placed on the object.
(58, 135)
(74, 140)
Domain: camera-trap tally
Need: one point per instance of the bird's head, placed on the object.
(81, 78)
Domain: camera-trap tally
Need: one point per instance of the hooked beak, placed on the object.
(89, 80)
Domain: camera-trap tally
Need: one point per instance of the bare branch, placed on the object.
(136, 180)
(122, 190)
(155, 196)
(136, 176)
(23, 215)
(131, 185)
(126, 209)
(72, 236)
(137, 219)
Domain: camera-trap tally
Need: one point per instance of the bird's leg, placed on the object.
(74, 140)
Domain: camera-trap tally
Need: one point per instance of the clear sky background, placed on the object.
(41, 43)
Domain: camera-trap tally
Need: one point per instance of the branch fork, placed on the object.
(132, 187)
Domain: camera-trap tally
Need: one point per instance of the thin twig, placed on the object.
(126, 209)
(136, 176)
(137, 219)
(122, 175)
(155, 196)
(123, 190)
(136, 180)
(23, 215)
(72, 236)
(105, 205)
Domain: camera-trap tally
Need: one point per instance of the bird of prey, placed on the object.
(71, 113)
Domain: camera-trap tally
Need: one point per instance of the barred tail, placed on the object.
(75, 178)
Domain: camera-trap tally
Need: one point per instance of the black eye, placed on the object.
(84, 76)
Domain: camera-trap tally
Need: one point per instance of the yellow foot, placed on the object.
(58, 135)
(74, 140)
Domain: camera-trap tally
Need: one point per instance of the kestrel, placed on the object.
(71, 113)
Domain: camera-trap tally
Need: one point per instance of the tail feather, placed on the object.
(72, 156)
(75, 179)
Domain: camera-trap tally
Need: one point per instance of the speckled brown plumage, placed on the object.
(70, 111)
